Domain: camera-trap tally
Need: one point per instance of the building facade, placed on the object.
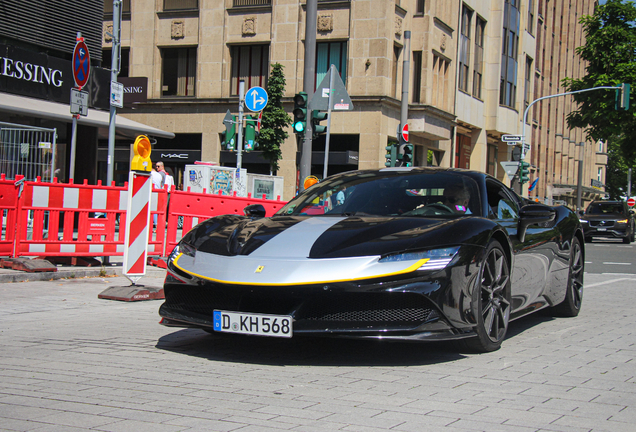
(475, 65)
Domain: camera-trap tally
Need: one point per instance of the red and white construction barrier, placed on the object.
(137, 223)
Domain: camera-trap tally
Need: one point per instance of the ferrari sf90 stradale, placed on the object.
(396, 253)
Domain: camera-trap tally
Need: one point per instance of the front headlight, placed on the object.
(624, 221)
(583, 220)
(182, 248)
(437, 259)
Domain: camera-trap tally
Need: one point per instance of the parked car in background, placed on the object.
(608, 219)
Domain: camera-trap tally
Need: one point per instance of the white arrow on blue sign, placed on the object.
(256, 99)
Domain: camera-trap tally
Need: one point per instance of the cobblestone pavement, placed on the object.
(70, 361)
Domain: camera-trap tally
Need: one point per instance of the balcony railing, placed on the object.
(239, 3)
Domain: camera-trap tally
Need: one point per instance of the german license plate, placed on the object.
(253, 324)
(601, 229)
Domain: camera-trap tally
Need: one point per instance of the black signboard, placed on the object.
(135, 89)
(41, 76)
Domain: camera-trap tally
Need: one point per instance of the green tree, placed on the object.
(617, 166)
(610, 43)
(275, 119)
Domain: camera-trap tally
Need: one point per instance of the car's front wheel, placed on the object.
(571, 305)
(491, 301)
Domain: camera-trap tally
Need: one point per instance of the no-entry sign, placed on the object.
(631, 202)
(405, 132)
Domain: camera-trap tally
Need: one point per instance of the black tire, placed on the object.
(627, 240)
(491, 301)
(571, 305)
(588, 239)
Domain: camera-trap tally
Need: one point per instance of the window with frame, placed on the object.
(419, 7)
(509, 54)
(464, 48)
(478, 67)
(440, 82)
(417, 75)
(250, 63)
(178, 71)
(124, 60)
(327, 54)
(531, 16)
(526, 93)
(173, 5)
(108, 6)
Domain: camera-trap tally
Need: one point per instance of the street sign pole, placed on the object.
(114, 72)
(239, 126)
(311, 19)
(332, 70)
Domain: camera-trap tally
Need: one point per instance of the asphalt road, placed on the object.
(610, 256)
(72, 362)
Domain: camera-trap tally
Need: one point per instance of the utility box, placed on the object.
(215, 179)
(261, 184)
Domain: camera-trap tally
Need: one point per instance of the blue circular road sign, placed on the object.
(256, 99)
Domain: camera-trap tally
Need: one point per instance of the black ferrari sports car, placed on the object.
(395, 253)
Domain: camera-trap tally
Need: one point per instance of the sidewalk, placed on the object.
(114, 268)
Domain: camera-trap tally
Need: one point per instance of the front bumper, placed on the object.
(398, 310)
(616, 232)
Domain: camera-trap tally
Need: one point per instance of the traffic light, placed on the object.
(622, 97)
(228, 138)
(524, 172)
(391, 155)
(406, 150)
(250, 133)
(300, 113)
(316, 127)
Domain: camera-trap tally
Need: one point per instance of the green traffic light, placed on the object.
(299, 126)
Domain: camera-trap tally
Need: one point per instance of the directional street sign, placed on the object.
(510, 168)
(340, 100)
(512, 139)
(81, 63)
(256, 99)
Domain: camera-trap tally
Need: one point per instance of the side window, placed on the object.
(503, 205)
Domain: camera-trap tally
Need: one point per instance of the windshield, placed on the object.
(601, 208)
(390, 193)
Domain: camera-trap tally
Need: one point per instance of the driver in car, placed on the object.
(456, 198)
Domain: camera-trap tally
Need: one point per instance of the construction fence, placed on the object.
(51, 219)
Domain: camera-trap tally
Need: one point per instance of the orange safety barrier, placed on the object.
(193, 208)
(9, 194)
(57, 219)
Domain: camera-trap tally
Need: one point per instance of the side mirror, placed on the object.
(254, 211)
(533, 214)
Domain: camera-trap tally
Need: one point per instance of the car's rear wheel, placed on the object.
(571, 305)
(491, 301)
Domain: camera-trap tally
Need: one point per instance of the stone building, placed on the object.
(465, 92)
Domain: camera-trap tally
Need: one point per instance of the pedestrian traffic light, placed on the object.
(622, 97)
(406, 150)
(316, 127)
(300, 113)
(391, 153)
(524, 172)
(250, 133)
(228, 138)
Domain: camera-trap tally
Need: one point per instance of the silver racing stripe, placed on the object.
(297, 240)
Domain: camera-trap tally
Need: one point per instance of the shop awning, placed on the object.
(60, 112)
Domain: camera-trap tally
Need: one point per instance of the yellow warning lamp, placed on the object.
(141, 161)
(310, 181)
